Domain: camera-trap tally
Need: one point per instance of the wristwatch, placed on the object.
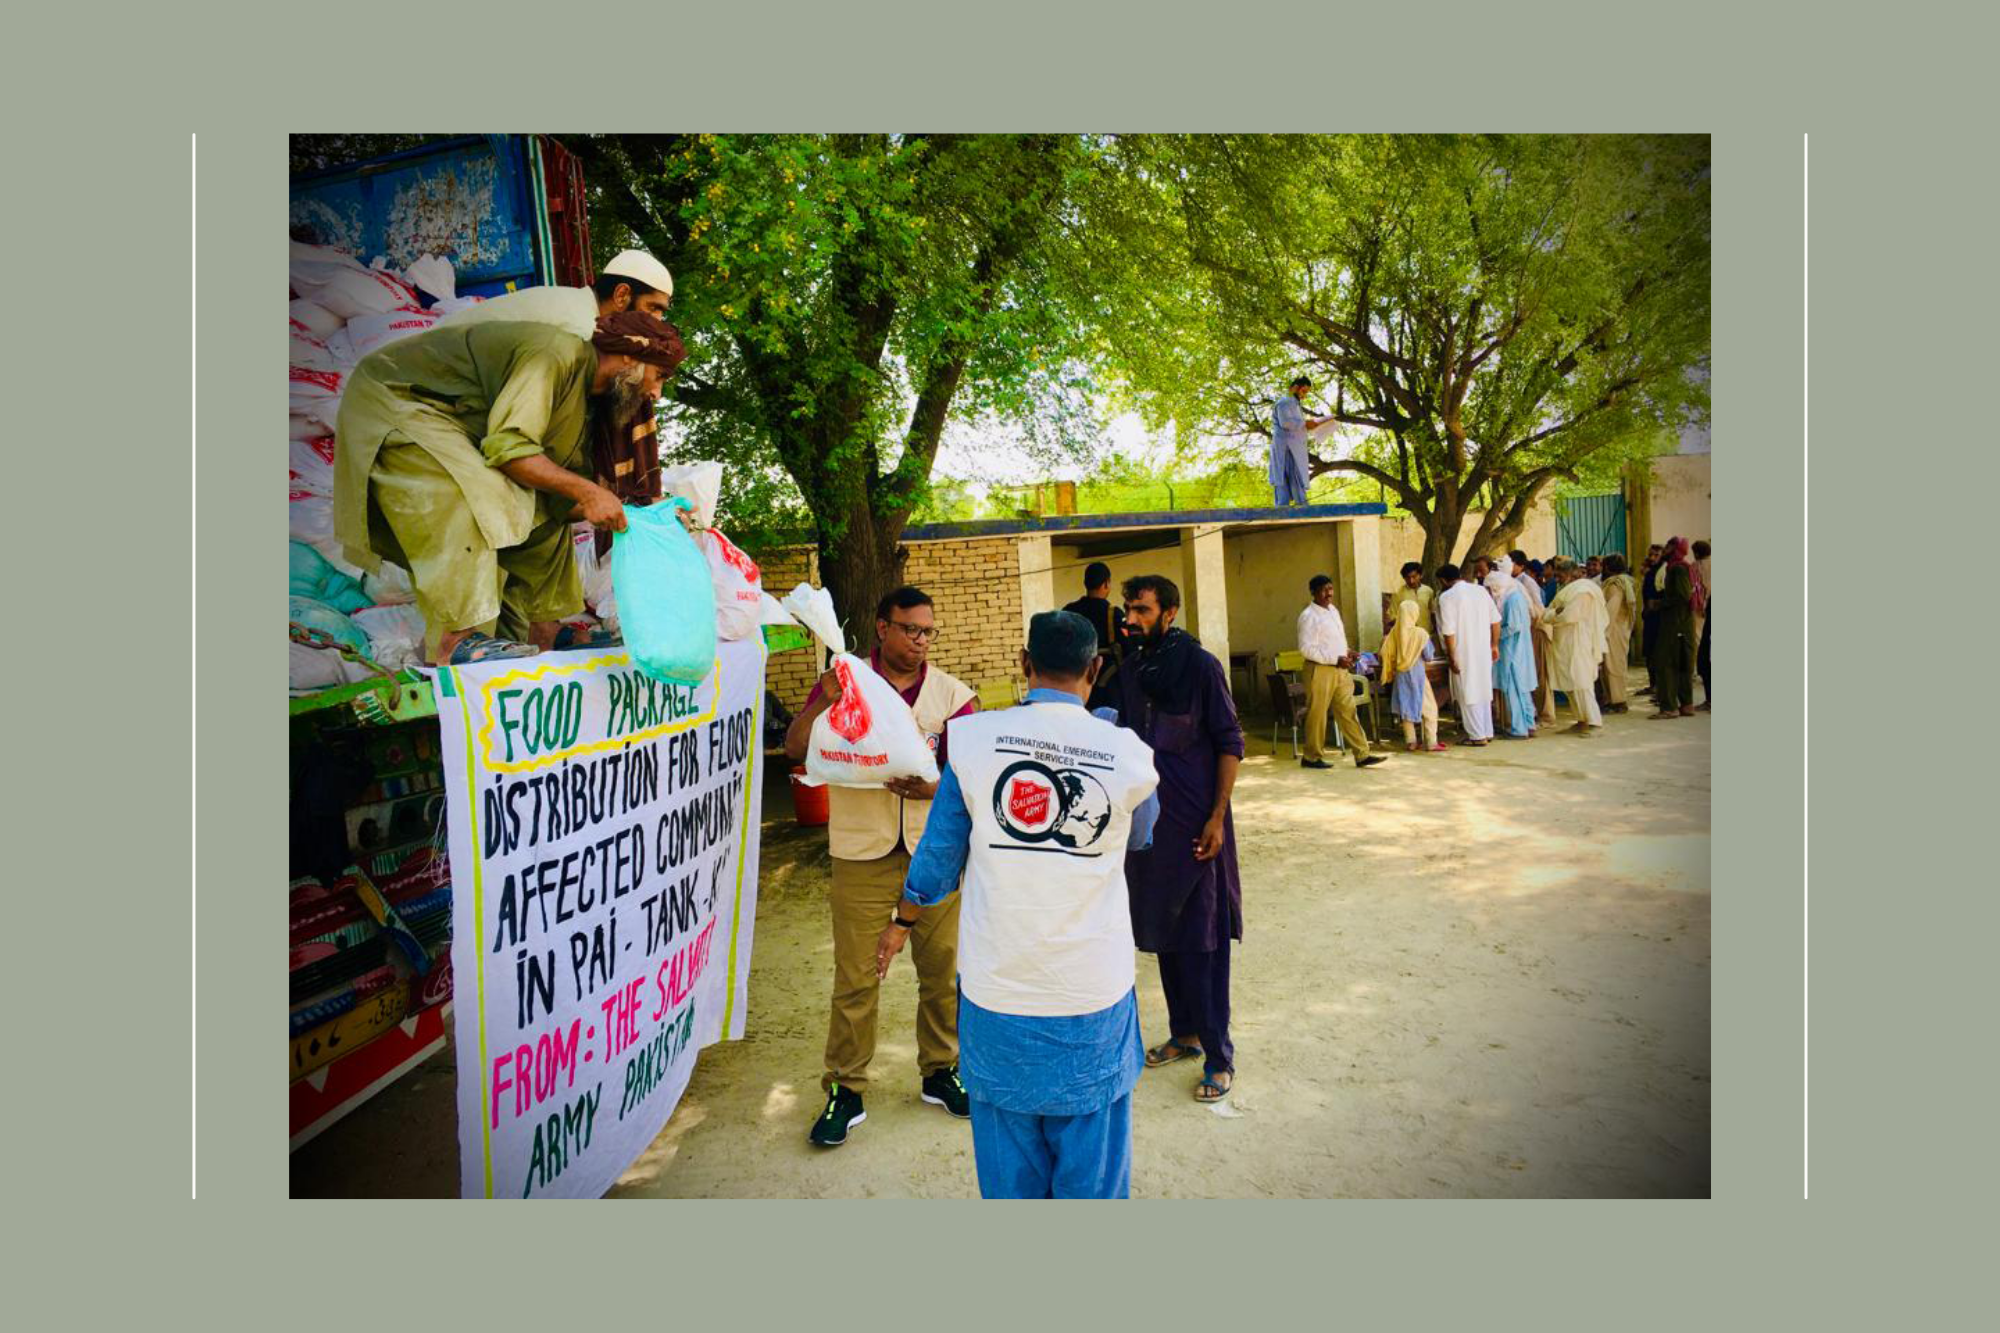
(906, 925)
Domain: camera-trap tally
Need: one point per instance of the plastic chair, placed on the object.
(1288, 704)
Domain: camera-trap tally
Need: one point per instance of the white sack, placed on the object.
(312, 465)
(366, 333)
(316, 394)
(351, 292)
(315, 319)
(388, 587)
(395, 635)
(572, 309)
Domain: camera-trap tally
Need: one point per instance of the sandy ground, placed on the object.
(1478, 974)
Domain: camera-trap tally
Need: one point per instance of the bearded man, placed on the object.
(463, 454)
(1187, 895)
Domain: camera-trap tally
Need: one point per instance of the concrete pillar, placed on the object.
(1358, 548)
(1038, 578)
(1205, 601)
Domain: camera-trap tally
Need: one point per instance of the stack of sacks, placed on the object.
(341, 310)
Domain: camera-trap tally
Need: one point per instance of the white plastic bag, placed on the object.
(433, 274)
(395, 635)
(699, 483)
(773, 612)
(366, 333)
(350, 292)
(869, 736)
(315, 319)
(739, 588)
(813, 608)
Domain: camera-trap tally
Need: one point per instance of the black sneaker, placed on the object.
(1314, 763)
(1369, 761)
(843, 1112)
(944, 1089)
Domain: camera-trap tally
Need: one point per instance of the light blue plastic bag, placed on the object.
(314, 578)
(318, 615)
(666, 599)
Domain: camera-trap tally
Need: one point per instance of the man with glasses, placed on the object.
(871, 833)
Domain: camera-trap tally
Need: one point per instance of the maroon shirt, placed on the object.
(909, 697)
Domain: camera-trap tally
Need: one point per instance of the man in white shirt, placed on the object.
(1470, 624)
(1323, 641)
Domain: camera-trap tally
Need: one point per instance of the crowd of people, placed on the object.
(1517, 634)
(1094, 821)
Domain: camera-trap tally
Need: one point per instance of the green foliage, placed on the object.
(842, 297)
(1491, 314)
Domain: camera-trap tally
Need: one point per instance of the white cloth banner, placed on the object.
(604, 887)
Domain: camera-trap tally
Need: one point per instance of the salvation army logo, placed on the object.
(1035, 803)
(1028, 801)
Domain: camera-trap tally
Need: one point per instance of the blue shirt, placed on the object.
(1072, 1065)
(1288, 436)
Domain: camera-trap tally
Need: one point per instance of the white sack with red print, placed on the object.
(869, 735)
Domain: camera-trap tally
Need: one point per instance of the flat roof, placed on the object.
(1170, 518)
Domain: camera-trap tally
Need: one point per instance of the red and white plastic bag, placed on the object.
(739, 586)
(870, 735)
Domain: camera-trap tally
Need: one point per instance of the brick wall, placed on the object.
(790, 674)
(977, 588)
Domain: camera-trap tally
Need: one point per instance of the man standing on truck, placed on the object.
(462, 455)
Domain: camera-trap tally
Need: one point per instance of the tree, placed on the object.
(842, 297)
(1496, 313)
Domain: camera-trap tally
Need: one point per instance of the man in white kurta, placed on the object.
(1470, 624)
(1581, 623)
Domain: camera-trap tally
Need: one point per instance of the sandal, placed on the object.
(478, 647)
(1169, 1051)
(1208, 1090)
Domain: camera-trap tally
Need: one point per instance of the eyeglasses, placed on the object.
(916, 633)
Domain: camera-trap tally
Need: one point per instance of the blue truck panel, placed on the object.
(476, 201)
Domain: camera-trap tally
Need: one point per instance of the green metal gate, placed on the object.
(1588, 525)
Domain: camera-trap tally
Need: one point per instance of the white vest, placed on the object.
(1045, 927)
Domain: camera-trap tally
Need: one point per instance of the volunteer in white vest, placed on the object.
(1034, 810)
(871, 833)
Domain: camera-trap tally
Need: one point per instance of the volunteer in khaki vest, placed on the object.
(871, 833)
(1035, 809)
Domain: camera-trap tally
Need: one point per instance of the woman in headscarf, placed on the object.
(1404, 653)
(1671, 593)
(1621, 600)
(1514, 674)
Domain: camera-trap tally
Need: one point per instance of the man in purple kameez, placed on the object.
(1187, 898)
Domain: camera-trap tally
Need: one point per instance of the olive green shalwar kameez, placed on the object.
(425, 426)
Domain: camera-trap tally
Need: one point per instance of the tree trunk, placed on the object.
(1441, 527)
(858, 566)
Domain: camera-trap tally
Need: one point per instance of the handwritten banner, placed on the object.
(604, 887)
